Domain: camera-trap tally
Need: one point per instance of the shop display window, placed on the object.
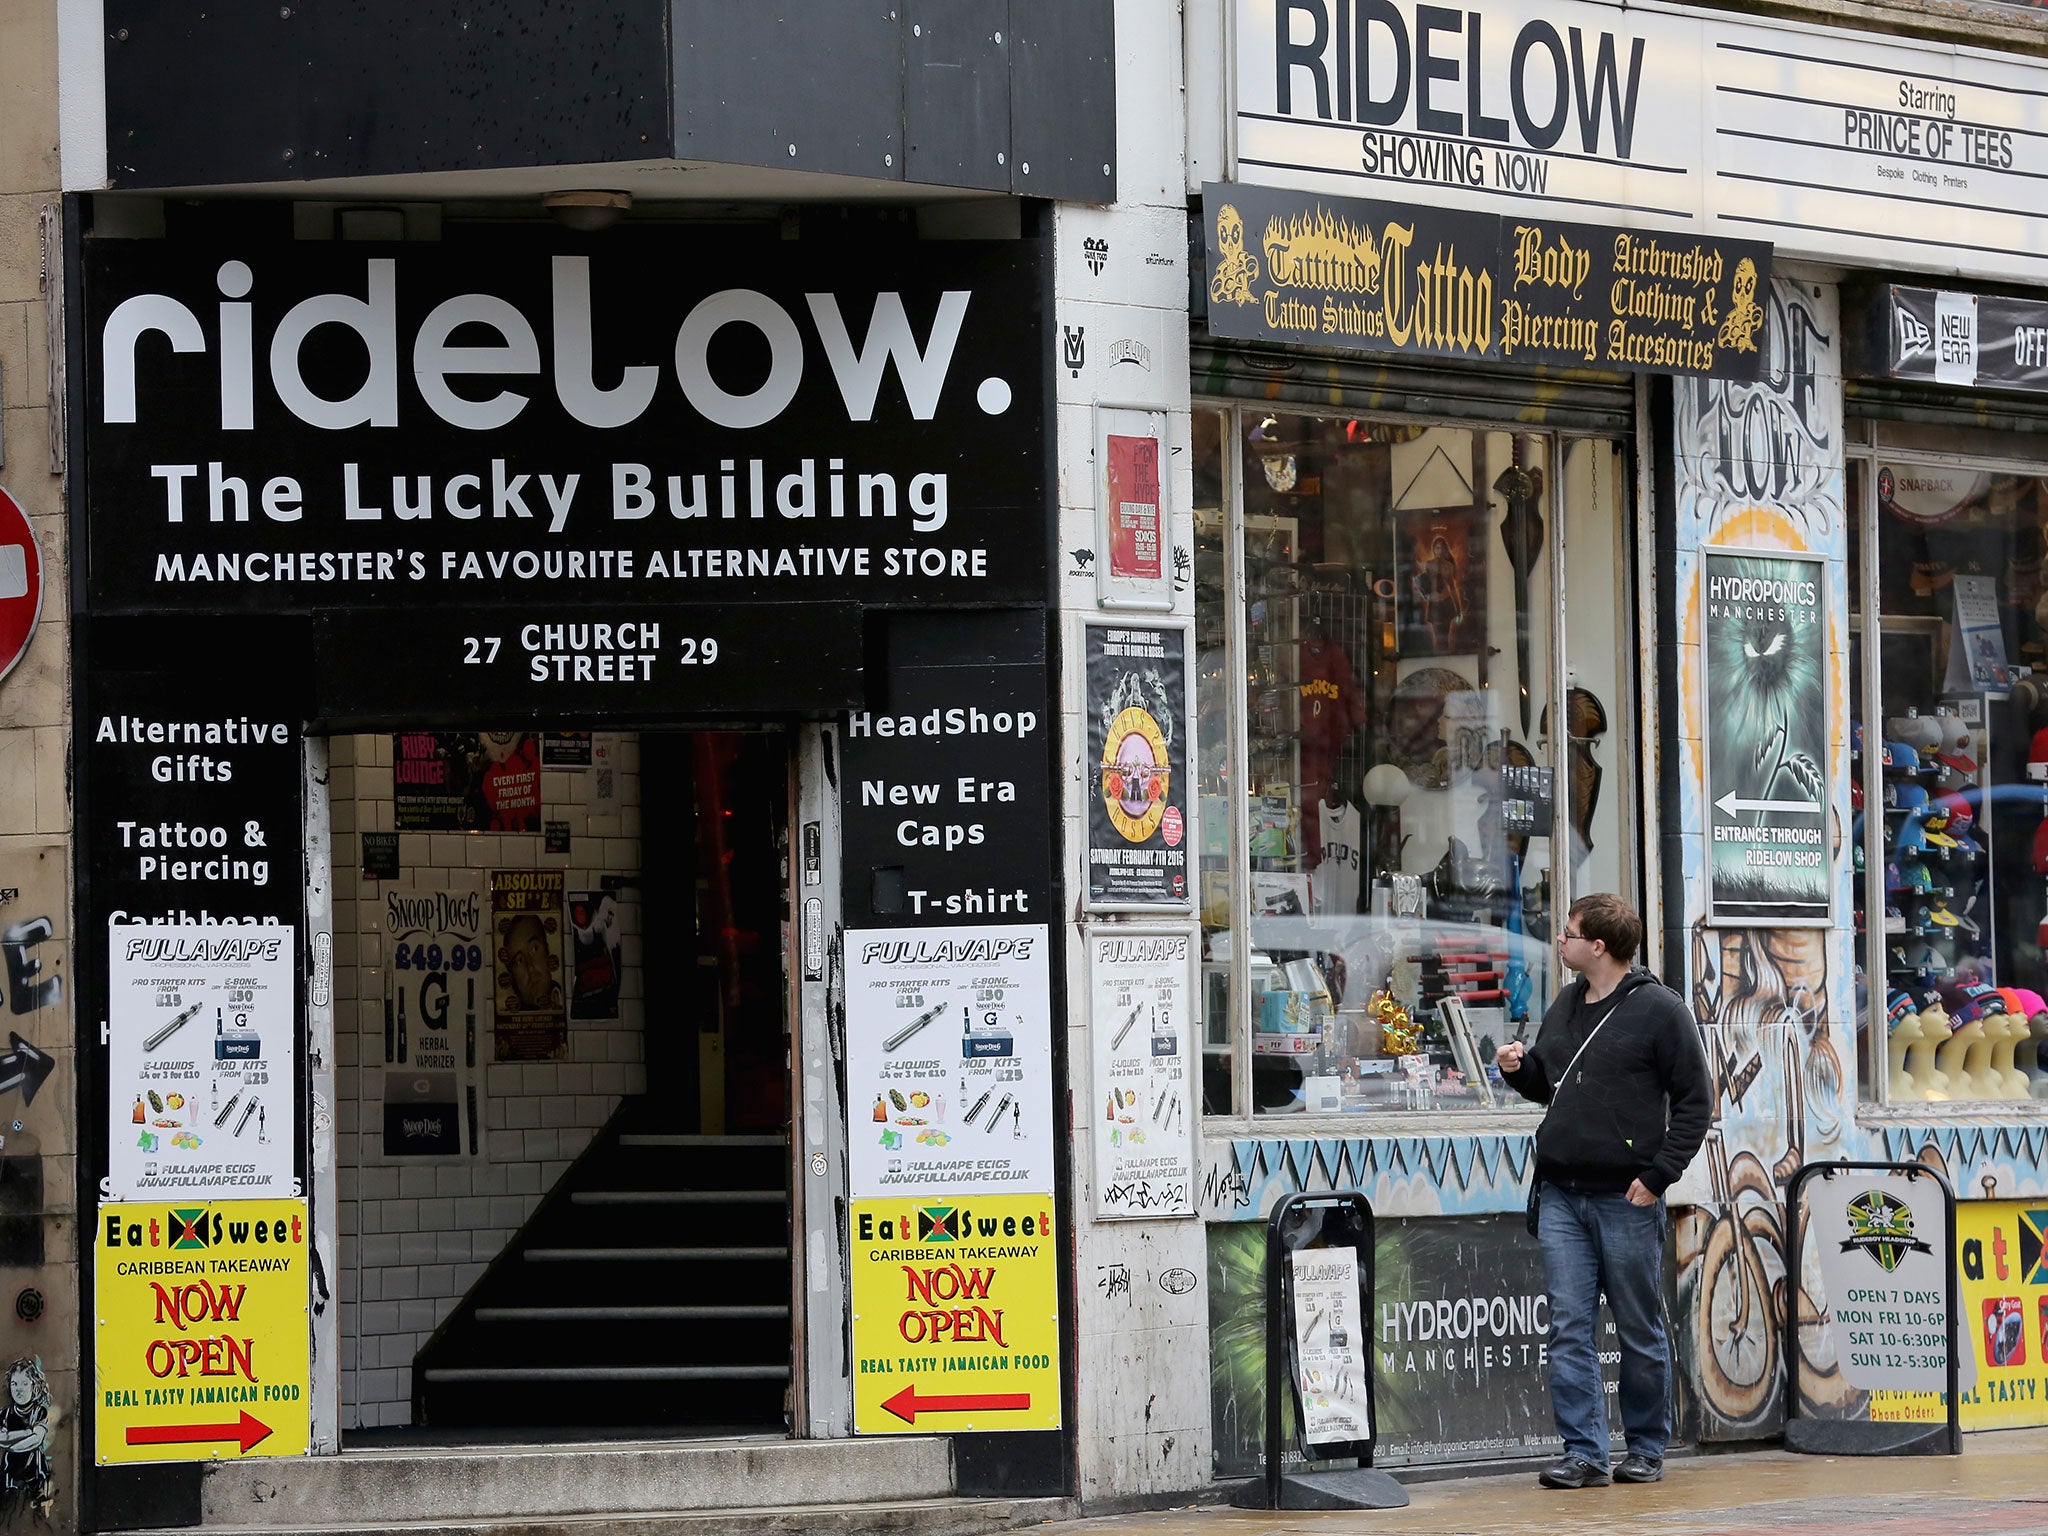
(1949, 750)
(1383, 776)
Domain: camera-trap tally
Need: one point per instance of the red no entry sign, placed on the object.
(21, 583)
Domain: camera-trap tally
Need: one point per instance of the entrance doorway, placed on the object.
(564, 1148)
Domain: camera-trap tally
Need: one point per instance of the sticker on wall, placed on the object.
(955, 1314)
(1764, 650)
(948, 1061)
(438, 994)
(202, 1084)
(1141, 988)
(526, 937)
(1133, 521)
(202, 1351)
(1135, 705)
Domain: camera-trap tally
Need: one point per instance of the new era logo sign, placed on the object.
(1914, 337)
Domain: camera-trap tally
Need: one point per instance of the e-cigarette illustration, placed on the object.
(469, 1047)
(401, 1025)
(172, 1028)
(913, 1026)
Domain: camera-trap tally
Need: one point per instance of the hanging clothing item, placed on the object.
(1330, 715)
(1333, 887)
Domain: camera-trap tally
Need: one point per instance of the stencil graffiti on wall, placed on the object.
(33, 1022)
(1760, 467)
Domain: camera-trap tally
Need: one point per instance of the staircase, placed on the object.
(651, 1288)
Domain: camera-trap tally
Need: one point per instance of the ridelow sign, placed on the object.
(1836, 145)
(284, 428)
(1394, 277)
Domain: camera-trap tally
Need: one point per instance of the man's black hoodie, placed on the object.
(1612, 1126)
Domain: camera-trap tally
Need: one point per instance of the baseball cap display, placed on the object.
(1955, 697)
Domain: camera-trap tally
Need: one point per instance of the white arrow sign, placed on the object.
(1729, 805)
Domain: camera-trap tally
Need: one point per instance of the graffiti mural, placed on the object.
(34, 1116)
(1760, 467)
(1441, 1175)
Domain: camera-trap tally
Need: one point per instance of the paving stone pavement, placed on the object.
(1997, 1487)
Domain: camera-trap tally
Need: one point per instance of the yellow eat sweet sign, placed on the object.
(202, 1349)
(955, 1314)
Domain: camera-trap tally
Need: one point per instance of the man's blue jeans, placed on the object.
(1594, 1245)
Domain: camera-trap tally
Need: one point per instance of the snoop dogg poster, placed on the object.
(1137, 789)
(1765, 654)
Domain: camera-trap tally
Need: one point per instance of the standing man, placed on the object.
(1620, 1052)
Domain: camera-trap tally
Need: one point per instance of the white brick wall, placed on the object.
(416, 1234)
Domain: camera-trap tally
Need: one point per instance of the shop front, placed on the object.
(1567, 522)
(564, 765)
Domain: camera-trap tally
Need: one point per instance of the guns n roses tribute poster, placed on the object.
(1137, 792)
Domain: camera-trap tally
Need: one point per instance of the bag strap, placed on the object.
(1565, 1076)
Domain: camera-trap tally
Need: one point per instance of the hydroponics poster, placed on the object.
(1764, 650)
(202, 1352)
(1136, 707)
(1143, 1131)
(948, 1061)
(528, 995)
(202, 1067)
(438, 987)
(955, 1314)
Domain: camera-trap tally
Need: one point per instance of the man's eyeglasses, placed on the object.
(1567, 936)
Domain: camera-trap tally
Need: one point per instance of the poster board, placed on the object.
(202, 1068)
(1133, 514)
(1137, 791)
(1145, 1095)
(1764, 661)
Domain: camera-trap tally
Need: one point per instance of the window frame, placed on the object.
(1514, 1114)
(1869, 705)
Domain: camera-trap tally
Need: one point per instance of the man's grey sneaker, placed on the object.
(1574, 1472)
(1638, 1469)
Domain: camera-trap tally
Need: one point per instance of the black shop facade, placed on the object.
(564, 749)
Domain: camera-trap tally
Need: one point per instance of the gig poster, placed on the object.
(466, 781)
(528, 984)
(438, 988)
(565, 749)
(1138, 788)
(1141, 983)
(594, 959)
(949, 1061)
(1764, 648)
(1133, 501)
(202, 1075)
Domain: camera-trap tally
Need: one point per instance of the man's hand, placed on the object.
(1509, 1057)
(1639, 1194)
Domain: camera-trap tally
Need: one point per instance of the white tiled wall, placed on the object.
(417, 1233)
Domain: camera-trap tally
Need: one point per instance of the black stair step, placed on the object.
(506, 1374)
(692, 1197)
(660, 1253)
(513, 1335)
(631, 1314)
(753, 1224)
(686, 1406)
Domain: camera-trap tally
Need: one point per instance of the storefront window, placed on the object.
(1214, 647)
(1952, 749)
(1403, 776)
